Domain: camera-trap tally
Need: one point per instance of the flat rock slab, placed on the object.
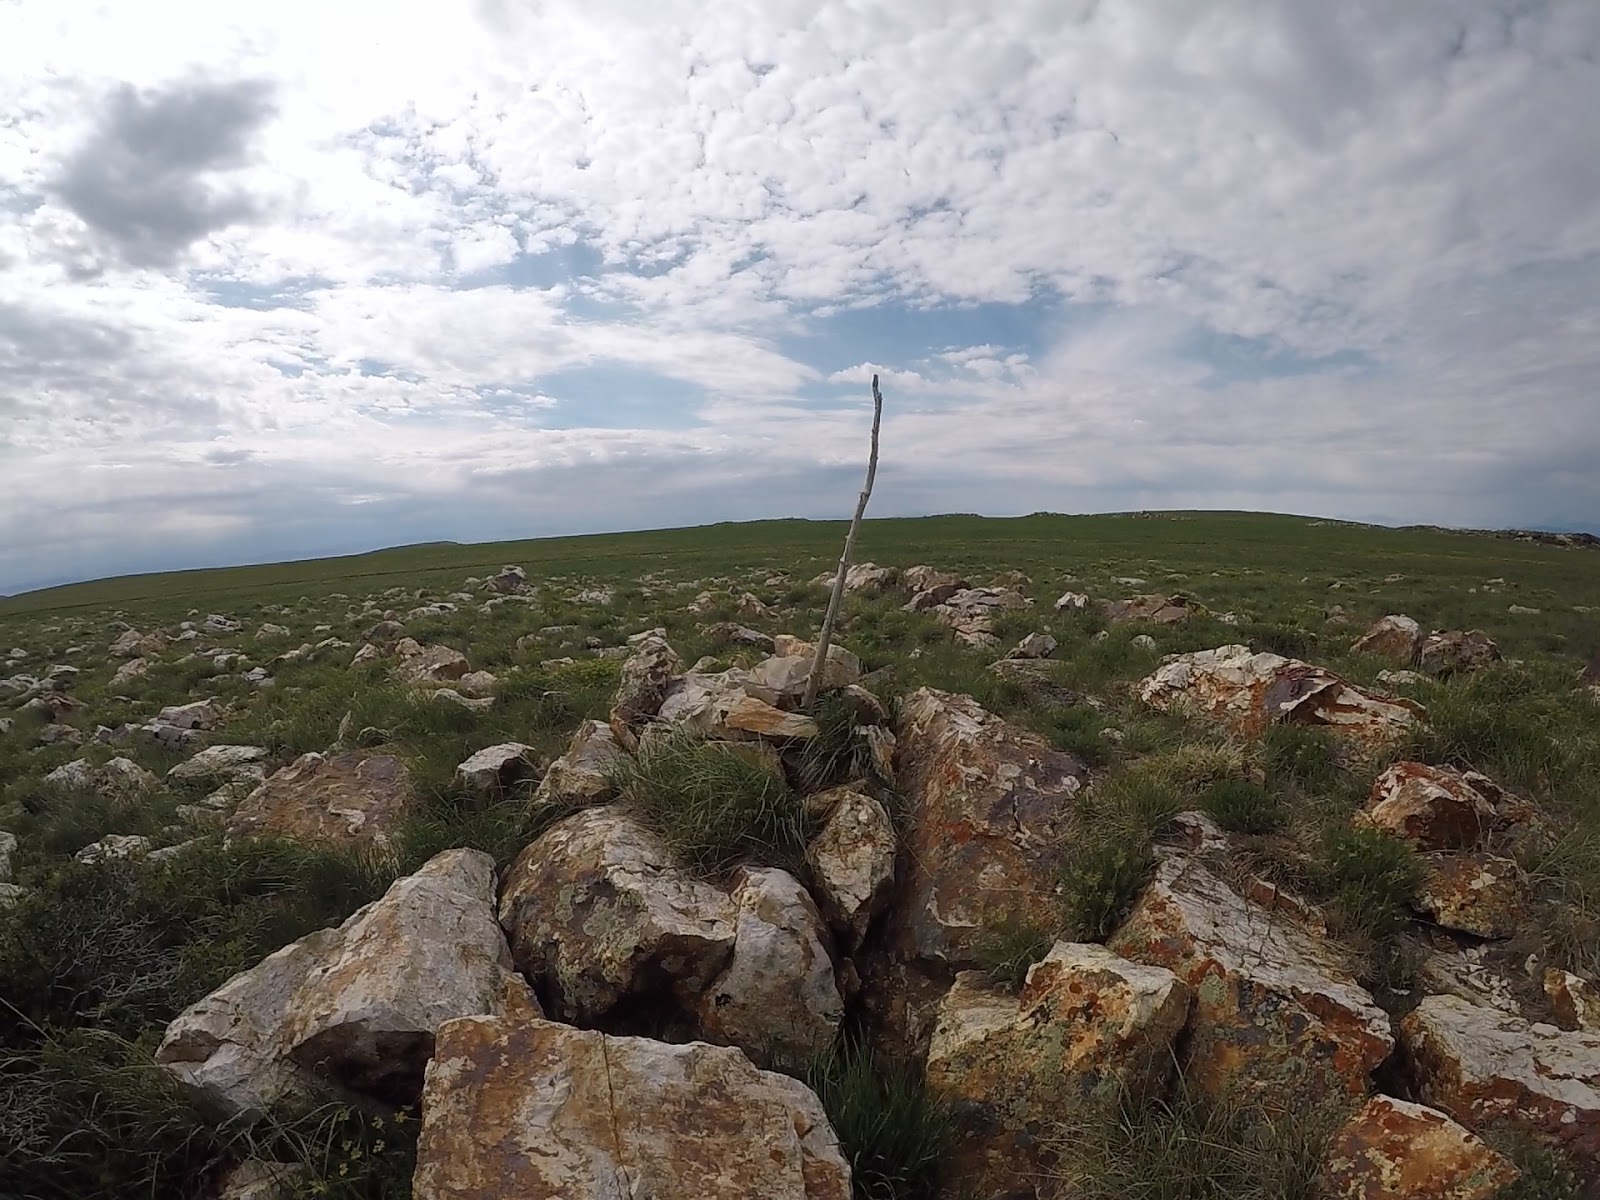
(542, 1111)
(1395, 1150)
(348, 799)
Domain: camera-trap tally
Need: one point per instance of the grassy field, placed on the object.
(95, 961)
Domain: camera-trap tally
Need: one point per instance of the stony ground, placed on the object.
(1175, 855)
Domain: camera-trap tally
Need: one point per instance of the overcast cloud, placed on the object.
(315, 278)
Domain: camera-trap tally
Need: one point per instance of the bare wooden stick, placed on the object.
(826, 636)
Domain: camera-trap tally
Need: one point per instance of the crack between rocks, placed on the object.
(611, 1112)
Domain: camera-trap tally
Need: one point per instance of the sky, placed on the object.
(292, 279)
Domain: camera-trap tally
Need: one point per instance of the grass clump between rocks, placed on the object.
(891, 1128)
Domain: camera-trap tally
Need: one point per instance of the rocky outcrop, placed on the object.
(1441, 808)
(543, 1111)
(353, 799)
(1088, 1028)
(1395, 1150)
(1248, 692)
(852, 860)
(1482, 1066)
(1449, 652)
(971, 613)
(777, 999)
(491, 772)
(584, 774)
(1477, 893)
(1396, 637)
(1277, 1011)
(597, 912)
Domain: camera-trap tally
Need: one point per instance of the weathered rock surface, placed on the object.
(777, 999)
(1087, 1028)
(1396, 637)
(1440, 808)
(507, 581)
(1481, 1066)
(852, 860)
(1248, 692)
(1071, 602)
(971, 613)
(1035, 645)
(1395, 1150)
(1477, 893)
(8, 848)
(584, 774)
(646, 674)
(489, 772)
(115, 845)
(1574, 1000)
(597, 912)
(1161, 610)
(353, 798)
(429, 664)
(133, 644)
(220, 762)
(261, 1179)
(543, 1111)
(120, 780)
(1277, 1010)
(1448, 652)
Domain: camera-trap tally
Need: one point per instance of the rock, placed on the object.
(508, 581)
(8, 849)
(594, 595)
(751, 606)
(1277, 1010)
(1394, 1150)
(1035, 645)
(1446, 653)
(114, 845)
(220, 762)
(841, 668)
(477, 684)
(740, 635)
(1574, 999)
(614, 1117)
(11, 894)
(201, 714)
(1163, 610)
(430, 664)
(430, 950)
(1401, 678)
(597, 912)
(59, 735)
(488, 773)
(922, 578)
(135, 668)
(646, 674)
(1470, 974)
(971, 612)
(584, 775)
(1477, 893)
(121, 780)
(1248, 692)
(446, 695)
(746, 714)
(270, 632)
(1072, 602)
(777, 999)
(1395, 637)
(260, 1179)
(385, 633)
(350, 799)
(1441, 808)
(852, 860)
(1143, 641)
(1523, 610)
(1088, 1029)
(1483, 1066)
(133, 644)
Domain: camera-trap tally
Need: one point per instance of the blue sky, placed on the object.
(514, 269)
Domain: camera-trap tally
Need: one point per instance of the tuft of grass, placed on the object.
(836, 754)
(1547, 1174)
(1007, 951)
(892, 1130)
(1099, 885)
(716, 804)
(1302, 755)
(1241, 806)
(1375, 876)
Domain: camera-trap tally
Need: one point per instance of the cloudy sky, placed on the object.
(290, 279)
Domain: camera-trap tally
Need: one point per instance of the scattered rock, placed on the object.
(133, 644)
(740, 635)
(215, 623)
(1277, 1010)
(1162, 610)
(618, 1117)
(1483, 1066)
(8, 848)
(261, 1179)
(1248, 692)
(1401, 678)
(1395, 637)
(646, 675)
(488, 773)
(445, 695)
(1447, 653)
(429, 664)
(1035, 645)
(1394, 1150)
(1088, 1028)
(508, 581)
(1143, 641)
(1441, 808)
(1477, 893)
(352, 798)
(584, 775)
(1523, 610)
(852, 860)
(121, 780)
(1574, 999)
(201, 714)
(220, 762)
(1072, 602)
(270, 632)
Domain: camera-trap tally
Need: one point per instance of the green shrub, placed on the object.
(1099, 885)
(1375, 876)
(892, 1130)
(716, 804)
(1242, 807)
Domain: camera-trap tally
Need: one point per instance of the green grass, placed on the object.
(1241, 806)
(891, 1129)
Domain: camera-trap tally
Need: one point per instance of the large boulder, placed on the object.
(1483, 1067)
(507, 581)
(350, 799)
(989, 817)
(1277, 1010)
(429, 664)
(1396, 637)
(200, 714)
(352, 1010)
(1247, 692)
(1395, 1150)
(597, 912)
(543, 1111)
(1448, 652)
(777, 999)
(642, 686)
(490, 772)
(852, 860)
(1441, 808)
(1088, 1029)
(585, 774)
(1477, 893)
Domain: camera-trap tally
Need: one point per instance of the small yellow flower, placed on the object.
(401, 1117)
(346, 1144)
(377, 1122)
(355, 1154)
(377, 1146)
(344, 1168)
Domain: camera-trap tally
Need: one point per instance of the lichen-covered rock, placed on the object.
(1277, 1010)
(1395, 1150)
(352, 799)
(428, 951)
(642, 686)
(121, 780)
(584, 774)
(489, 772)
(1574, 1000)
(1477, 893)
(852, 860)
(1395, 637)
(542, 1111)
(115, 845)
(1088, 1028)
(1482, 1066)
(777, 999)
(220, 762)
(1449, 652)
(1248, 692)
(597, 911)
(429, 664)
(1440, 808)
